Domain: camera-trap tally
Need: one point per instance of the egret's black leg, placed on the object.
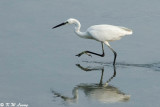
(115, 55)
(89, 52)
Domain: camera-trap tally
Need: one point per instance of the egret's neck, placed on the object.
(77, 25)
(77, 30)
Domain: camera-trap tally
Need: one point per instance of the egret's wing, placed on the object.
(106, 32)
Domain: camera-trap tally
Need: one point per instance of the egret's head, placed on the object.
(69, 21)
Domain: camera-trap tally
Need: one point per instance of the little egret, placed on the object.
(101, 33)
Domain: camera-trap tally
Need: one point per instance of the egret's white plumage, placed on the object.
(107, 33)
(102, 33)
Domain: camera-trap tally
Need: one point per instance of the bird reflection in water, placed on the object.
(102, 92)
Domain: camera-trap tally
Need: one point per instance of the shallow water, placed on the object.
(38, 65)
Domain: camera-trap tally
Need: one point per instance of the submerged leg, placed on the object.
(89, 52)
(115, 54)
(101, 80)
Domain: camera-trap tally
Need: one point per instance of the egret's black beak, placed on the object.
(60, 25)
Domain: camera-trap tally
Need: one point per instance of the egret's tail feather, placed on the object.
(127, 31)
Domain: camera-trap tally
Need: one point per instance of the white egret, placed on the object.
(102, 33)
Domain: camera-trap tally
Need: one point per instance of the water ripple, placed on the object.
(153, 66)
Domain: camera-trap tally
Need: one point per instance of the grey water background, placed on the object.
(38, 64)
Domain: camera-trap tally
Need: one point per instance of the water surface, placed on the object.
(38, 65)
